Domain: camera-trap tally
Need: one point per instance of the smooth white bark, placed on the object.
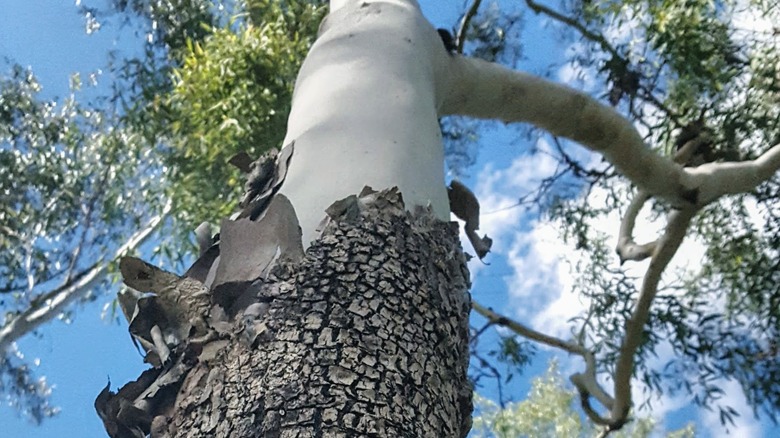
(370, 92)
(487, 90)
(364, 111)
(627, 249)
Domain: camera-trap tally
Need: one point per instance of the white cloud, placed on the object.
(541, 286)
(498, 191)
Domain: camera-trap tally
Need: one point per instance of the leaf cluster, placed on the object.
(232, 94)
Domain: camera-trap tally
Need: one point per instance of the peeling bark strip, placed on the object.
(366, 336)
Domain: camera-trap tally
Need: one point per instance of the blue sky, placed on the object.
(526, 270)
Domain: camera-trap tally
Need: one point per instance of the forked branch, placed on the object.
(586, 382)
(627, 249)
(666, 247)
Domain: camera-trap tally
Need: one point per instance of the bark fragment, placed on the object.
(464, 205)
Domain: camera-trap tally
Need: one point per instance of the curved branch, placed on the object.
(61, 297)
(627, 249)
(666, 248)
(485, 90)
(588, 409)
(481, 89)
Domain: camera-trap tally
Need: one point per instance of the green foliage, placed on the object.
(550, 411)
(742, 268)
(211, 81)
(232, 94)
(141, 81)
(694, 30)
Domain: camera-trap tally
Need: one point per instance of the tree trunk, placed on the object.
(364, 335)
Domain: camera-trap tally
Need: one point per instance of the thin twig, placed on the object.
(571, 22)
(493, 374)
(460, 35)
(528, 332)
(600, 40)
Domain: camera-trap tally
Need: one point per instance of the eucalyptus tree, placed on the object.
(325, 306)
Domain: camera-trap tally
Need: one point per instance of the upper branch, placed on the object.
(481, 89)
(528, 332)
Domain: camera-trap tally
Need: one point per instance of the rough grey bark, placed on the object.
(365, 335)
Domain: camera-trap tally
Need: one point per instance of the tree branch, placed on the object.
(713, 180)
(486, 90)
(585, 382)
(528, 332)
(60, 298)
(627, 249)
(481, 89)
(666, 248)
